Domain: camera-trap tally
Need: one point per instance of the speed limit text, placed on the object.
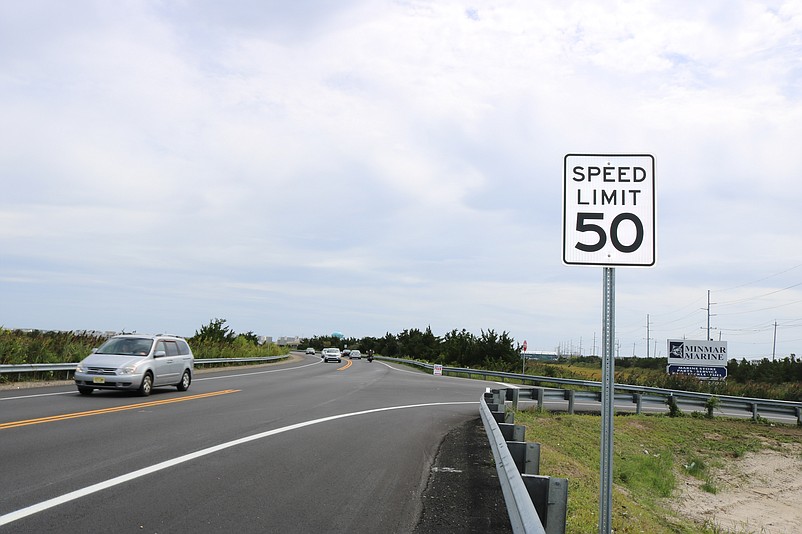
(603, 196)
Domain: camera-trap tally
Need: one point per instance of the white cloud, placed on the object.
(400, 161)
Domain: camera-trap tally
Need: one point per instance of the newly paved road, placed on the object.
(303, 446)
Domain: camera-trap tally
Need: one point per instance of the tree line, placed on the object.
(458, 348)
(214, 340)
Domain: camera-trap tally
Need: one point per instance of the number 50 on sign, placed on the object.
(608, 210)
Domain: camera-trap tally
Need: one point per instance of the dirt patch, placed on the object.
(758, 493)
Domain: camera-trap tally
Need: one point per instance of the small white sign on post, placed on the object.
(438, 369)
(609, 214)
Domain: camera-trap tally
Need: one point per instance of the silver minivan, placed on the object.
(137, 362)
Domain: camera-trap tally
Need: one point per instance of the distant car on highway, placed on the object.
(310, 350)
(332, 355)
(355, 355)
(136, 362)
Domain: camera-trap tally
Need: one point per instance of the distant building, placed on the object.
(288, 341)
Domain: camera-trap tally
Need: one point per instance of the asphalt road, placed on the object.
(302, 446)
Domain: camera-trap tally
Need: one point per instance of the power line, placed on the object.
(760, 296)
(760, 280)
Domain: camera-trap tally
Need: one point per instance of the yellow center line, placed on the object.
(348, 364)
(63, 417)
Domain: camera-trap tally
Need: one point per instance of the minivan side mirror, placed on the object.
(159, 354)
(94, 350)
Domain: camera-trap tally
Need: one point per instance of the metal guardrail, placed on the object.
(521, 510)
(535, 504)
(637, 394)
(69, 367)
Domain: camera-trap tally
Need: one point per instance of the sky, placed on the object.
(370, 166)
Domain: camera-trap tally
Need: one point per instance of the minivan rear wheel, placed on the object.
(147, 385)
(186, 380)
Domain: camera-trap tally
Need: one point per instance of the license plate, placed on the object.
(99, 380)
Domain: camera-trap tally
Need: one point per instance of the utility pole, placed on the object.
(774, 345)
(647, 335)
(708, 315)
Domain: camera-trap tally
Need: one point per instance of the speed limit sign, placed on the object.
(608, 210)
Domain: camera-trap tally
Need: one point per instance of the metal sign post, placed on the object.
(608, 397)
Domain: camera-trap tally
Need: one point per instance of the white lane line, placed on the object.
(403, 370)
(100, 486)
(71, 392)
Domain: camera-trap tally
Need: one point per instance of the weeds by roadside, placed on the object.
(651, 454)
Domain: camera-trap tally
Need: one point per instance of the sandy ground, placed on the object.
(759, 493)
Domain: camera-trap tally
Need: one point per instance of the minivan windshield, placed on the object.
(127, 346)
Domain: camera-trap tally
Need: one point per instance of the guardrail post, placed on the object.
(498, 412)
(570, 395)
(755, 415)
(512, 432)
(550, 497)
(497, 407)
(516, 393)
(499, 396)
(637, 398)
(540, 405)
(526, 456)
(799, 416)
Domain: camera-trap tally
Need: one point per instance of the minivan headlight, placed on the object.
(126, 370)
(80, 368)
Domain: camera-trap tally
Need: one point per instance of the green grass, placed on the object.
(651, 454)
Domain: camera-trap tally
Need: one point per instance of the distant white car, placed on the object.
(332, 355)
(310, 350)
(355, 355)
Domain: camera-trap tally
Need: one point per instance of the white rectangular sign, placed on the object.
(693, 352)
(609, 210)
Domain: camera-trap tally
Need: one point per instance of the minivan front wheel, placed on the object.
(147, 385)
(186, 380)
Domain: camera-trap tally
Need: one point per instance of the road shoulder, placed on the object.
(463, 493)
